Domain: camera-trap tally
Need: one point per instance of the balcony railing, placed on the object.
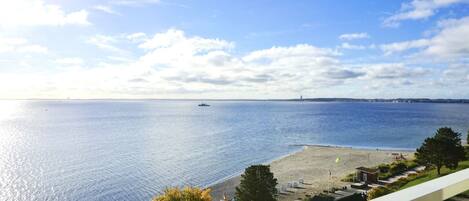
(438, 189)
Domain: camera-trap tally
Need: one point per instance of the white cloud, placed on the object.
(418, 9)
(393, 71)
(354, 36)
(20, 45)
(38, 13)
(134, 2)
(450, 42)
(299, 51)
(106, 42)
(173, 46)
(106, 9)
(70, 61)
(352, 47)
(137, 37)
(177, 38)
(177, 65)
(405, 45)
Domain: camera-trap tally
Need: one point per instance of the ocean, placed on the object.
(133, 150)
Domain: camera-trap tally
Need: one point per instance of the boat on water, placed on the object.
(203, 105)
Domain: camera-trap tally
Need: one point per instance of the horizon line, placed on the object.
(236, 99)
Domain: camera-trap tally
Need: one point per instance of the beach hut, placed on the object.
(367, 175)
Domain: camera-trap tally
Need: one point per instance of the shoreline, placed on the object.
(238, 174)
(356, 147)
(311, 145)
(303, 164)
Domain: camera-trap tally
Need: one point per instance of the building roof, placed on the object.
(367, 170)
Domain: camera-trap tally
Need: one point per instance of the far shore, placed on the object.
(313, 164)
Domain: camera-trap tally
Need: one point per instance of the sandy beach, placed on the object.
(314, 164)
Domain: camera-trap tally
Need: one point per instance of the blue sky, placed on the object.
(234, 49)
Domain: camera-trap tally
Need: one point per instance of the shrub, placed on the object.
(383, 176)
(466, 148)
(186, 194)
(322, 197)
(397, 168)
(397, 184)
(411, 164)
(354, 197)
(384, 168)
(378, 192)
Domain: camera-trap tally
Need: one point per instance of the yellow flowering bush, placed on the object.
(185, 194)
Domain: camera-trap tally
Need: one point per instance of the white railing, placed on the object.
(435, 190)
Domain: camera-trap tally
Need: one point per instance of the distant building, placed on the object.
(367, 175)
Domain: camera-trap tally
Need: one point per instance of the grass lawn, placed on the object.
(432, 174)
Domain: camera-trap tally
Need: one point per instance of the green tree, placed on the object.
(257, 184)
(443, 149)
(467, 138)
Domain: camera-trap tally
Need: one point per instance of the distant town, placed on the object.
(396, 100)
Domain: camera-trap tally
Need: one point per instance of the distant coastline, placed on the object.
(393, 100)
(366, 100)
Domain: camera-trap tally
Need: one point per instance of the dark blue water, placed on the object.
(131, 150)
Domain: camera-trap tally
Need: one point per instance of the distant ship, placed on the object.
(204, 105)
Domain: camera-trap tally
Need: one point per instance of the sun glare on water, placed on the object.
(9, 109)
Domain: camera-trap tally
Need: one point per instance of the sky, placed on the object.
(211, 49)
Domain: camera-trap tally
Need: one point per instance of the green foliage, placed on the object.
(443, 149)
(186, 194)
(397, 168)
(467, 138)
(466, 148)
(411, 164)
(384, 168)
(257, 183)
(378, 192)
(414, 179)
(384, 176)
(322, 197)
(354, 197)
(326, 197)
(401, 182)
(430, 174)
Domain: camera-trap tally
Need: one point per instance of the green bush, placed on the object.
(411, 164)
(467, 152)
(354, 197)
(384, 168)
(397, 184)
(322, 197)
(398, 168)
(384, 176)
(378, 192)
